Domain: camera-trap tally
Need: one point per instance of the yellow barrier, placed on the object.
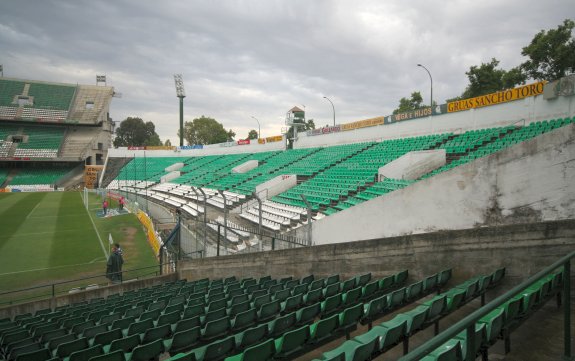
(150, 233)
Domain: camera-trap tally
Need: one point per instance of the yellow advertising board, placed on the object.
(277, 138)
(504, 96)
(363, 123)
(91, 175)
(160, 147)
(150, 233)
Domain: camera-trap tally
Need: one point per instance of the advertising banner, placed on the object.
(363, 123)
(91, 175)
(504, 96)
(275, 138)
(243, 141)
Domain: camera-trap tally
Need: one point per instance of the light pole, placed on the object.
(181, 93)
(259, 128)
(431, 79)
(333, 108)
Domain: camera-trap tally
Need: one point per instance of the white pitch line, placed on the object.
(33, 209)
(50, 268)
(97, 233)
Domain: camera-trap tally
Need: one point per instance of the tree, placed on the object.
(134, 132)
(167, 143)
(486, 78)
(253, 134)
(206, 130)
(408, 104)
(308, 125)
(551, 53)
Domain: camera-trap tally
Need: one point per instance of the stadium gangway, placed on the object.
(468, 323)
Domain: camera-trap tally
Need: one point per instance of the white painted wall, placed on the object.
(223, 148)
(174, 167)
(531, 181)
(276, 185)
(413, 164)
(531, 109)
(168, 177)
(245, 167)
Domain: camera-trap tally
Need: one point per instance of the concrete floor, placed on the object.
(540, 338)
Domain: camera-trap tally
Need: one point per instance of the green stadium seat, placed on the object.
(493, 325)
(415, 319)
(291, 303)
(281, 324)
(139, 327)
(186, 324)
(455, 298)
(182, 341)
(216, 350)
(369, 290)
(351, 350)
(386, 283)
(291, 343)
(268, 311)
(261, 352)
(351, 297)
(117, 355)
(480, 337)
(396, 298)
(306, 315)
(238, 308)
(349, 318)
(146, 352)
(331, 290)
(65, 349)
(37, 355)
(414, 291)
(107, 337)
(244, 320)
(430, 283)
(125, 344)
(251, 336)
(450, 351)
(313, 296)
(215, 329)
(330, 305)
(155, 333)
(85, 354)
(324, 329)
(374, 309)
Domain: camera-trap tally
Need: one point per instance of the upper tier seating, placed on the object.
(52, 96)
(43, 142)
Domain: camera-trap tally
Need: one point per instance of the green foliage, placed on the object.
(253, 134)
(486, 78)
(168, 143)
(134, 132)
(551, 53)
(408, 104)
(308, 125)
(206, 130)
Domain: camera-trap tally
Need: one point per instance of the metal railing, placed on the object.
(468, 323)
(51, 290)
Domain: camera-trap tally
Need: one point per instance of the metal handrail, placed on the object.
(53, 285)
(468, 323)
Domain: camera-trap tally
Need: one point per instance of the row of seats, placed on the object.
(379, 339)
(53, 328)
(35, 176)
(502, 321)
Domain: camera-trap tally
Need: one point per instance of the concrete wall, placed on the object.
(523, 249)
(530, 182)
(66, 299)
(276, 185)
(531, 109)
(413, 164)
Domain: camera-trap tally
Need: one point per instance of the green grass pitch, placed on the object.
(47, 238)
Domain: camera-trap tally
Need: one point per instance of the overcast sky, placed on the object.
(260, 58)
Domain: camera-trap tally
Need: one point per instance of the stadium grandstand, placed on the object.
(50, 131)
(438, 234)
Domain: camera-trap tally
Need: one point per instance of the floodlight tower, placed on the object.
(181, 93)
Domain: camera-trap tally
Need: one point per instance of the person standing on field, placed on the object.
(105, 206)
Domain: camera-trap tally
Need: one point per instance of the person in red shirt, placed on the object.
(105, 206)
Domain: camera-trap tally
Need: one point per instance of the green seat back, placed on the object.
(351, 297)
(216, 328)
(216, 350)
(391, 332)
(106, 338)
(261, 352)
(125, 344)
(86, 354)
(312, 296)
(156, 333)
(251, 336)
(291, 342)
(400, 277)
(324, 329)
(65, 349)
(308, 314)
(350, 316)
(281, 324)
(268, 310)
(183, 340)
(396, 298)
(244, 319)
(148, 351)
(369, 290)
(413, 291)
